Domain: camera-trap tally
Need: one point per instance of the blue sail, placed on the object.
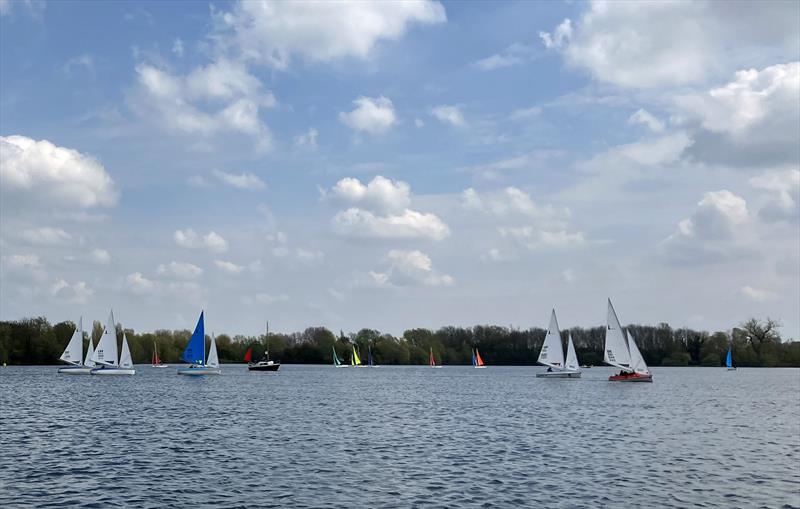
(195, 350)
(729, 359)
(474, 359)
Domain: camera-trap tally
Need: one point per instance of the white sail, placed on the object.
(616, 347)
(637, 361)
(74, 351)
(552, 353)
(125, 359)
(106, 352)
(572, 357)
(213, 359)
(89, 352)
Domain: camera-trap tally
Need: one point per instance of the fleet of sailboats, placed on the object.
(73, 354)
(106, 353)
(621, 351)
(195, 353)
(552, 354)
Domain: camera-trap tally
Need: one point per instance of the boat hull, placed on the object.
(160, 366)
(75, 370)
(479, 367)
(199, 371)
(631, 377)
(559, 374)
(731, 369)
(106, 371)
(275, 366)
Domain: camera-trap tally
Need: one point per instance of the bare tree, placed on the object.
(757, 333)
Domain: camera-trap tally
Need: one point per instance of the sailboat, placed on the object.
(728, 359)
(552, 354)
(622, 352)
(432, 360)
(477, 362)
(156, 359)
(195, 353)
(355, 360)
(106, 353)
(264, 364)
(370, 360)
(337, 363)
(73, 354)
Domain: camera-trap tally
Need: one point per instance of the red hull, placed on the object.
(631, 377)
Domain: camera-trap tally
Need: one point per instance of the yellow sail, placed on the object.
(356, 360)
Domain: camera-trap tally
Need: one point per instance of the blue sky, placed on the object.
(393, 165)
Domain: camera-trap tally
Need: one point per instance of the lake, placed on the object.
(315, 436)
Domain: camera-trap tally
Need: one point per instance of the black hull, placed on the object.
(269, 367)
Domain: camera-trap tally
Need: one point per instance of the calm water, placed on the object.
(399, 437)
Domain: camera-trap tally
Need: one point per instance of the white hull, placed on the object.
(199, 371)
(341, 366)
(479, 367)
(160, 366)
(75, 370)
(559, 374)
(105, 371)
(439, 367)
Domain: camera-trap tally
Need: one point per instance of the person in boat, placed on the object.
(549, 369)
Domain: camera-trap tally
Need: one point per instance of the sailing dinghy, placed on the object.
(432, 360)
(728, 359)
(337, 363)
(477, 362)
(621, 351)
(195, 353)
(73, 354)
(355, 360)
(106, 353)
(156, 359)
(552, 354)
(370, 360)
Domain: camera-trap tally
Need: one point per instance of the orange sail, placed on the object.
(431, 359)
(479, 361)
(248, 356)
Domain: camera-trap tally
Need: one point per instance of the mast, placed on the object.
(267, 350)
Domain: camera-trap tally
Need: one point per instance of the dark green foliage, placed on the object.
(755, 343)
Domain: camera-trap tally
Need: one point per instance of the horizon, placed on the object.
(442, 163)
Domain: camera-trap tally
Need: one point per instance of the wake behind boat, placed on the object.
(552, 354)
(74, 352)
(195, 353)
(106, 353)
(621, 351)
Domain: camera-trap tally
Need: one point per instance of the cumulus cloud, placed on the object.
(371, 115)
(448, 115)
(513, 55)
(182, 270)
(644, 117)
(406, 268)
(78, 292)
(244, 181)
(220, 98)
(101, 256)
(757, 294)
(783, 189)
(510, 201)
(229, 267)
(633, 44)
(46, 236)
(408, 224)
(211, 241)
(139, 284)
(535, 239)
(379, 194)
(37, 173)
(307, 140)
(272, 32)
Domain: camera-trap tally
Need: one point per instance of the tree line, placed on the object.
(754, 342)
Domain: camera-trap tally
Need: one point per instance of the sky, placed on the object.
(397, 165)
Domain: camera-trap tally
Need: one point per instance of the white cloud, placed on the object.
(85, 61)
(46, 236)
(26, 261)
(267, 299)
(39, 173)
(633, 44)
(757, 294)
(182, 270)
(515, 54)
(408, 224)
(419, 123)
(177, 47)
(783, 188)
(535, 239)
(525, 113)
(380, 194)
(181, 103)
(192, 240)
(509, 201)
(307, 140)
(101, 256)
(646, 118)
(405, 268)
(449, 115)
(371, 115)
(309, 256)
(229, 267)
(78, 292)
(140, 284)
(244, 181)
(270, 33)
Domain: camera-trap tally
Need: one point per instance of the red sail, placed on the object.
(431, 360)
(478, 356)
(248, 356)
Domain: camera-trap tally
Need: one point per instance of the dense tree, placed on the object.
(754, 343)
